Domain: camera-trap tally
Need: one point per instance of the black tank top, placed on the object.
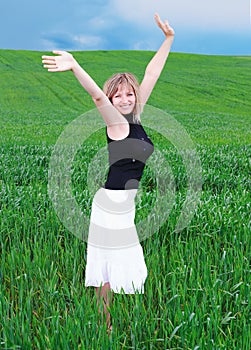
(127, 158)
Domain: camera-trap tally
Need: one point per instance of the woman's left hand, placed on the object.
(164, 26)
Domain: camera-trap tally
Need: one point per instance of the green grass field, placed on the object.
(197, 294)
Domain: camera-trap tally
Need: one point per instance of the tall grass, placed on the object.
(197, 294)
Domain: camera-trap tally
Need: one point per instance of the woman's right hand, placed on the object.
(61, 63)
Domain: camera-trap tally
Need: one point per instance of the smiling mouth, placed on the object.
(127, 106)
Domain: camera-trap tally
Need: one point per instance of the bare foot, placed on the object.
(109, 330)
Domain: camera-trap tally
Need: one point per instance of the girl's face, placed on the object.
(124, 99)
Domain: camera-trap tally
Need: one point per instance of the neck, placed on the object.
(129, 117)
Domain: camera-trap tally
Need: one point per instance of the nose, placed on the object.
(124, 98)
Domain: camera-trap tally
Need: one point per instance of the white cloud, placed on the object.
(143, 45)
(67, 41)
(213, 14)
(222, 26)
(87, 41)
(99, 23)
(47, 45)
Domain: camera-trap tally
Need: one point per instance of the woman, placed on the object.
(115, 261)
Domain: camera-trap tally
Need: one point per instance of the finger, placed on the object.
(53, 70)
(48, 61)
(48, 57)
(156, 15)
(158, 21)
(50, 66)
(157, 18)
(58, 52)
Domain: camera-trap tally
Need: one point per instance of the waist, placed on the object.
(117, 194)
(115, 200)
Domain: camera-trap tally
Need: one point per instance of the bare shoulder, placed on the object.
(118, 132)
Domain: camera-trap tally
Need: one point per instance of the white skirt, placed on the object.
(114, 253)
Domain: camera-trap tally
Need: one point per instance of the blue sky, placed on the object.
(201, 26)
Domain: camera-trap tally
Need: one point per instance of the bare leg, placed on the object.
(104, 295)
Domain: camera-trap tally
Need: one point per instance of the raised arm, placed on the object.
(155, 66)
(65, 61)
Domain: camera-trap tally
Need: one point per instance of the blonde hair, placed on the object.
(111, 87)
